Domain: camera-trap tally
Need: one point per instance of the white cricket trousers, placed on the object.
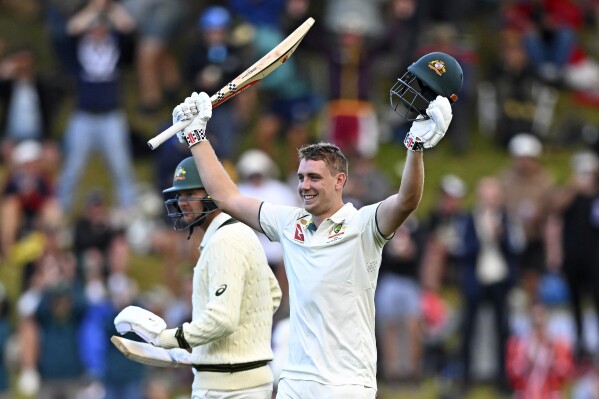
(260, 392)
(302, 389)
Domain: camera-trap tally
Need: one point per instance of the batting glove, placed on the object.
(179, 355)
(182, 114)
(142, 322)
(426, 133)
(197, 109)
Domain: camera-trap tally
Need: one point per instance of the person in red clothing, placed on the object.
(26, 196)
(549, 30)
(538, 365)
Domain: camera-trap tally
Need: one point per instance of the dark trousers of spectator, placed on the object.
(497, 295)
(582, 278)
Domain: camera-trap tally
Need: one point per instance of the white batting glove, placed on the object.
(182, 113)
(427, 133)
(197, 109)
(142, 322)
(179, 355)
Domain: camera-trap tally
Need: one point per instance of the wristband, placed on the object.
(195, 136)
(180, 336)
(413, 143)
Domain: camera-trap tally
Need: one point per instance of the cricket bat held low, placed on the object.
(142, 352)
(258, 71)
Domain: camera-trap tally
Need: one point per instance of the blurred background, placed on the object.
(490, 290)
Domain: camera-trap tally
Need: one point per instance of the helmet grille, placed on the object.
(410, 98)
(183, 220)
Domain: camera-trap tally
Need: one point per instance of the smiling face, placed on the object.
(320, 190)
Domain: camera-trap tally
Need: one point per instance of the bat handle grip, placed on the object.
(167, 134)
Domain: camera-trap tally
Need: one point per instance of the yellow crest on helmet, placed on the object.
(437, 66)
(180, 173)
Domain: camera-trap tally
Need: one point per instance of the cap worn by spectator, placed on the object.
(256, 162)
(585, 162)
(215, 17)
(454, 186)
(525, 145)
(26, 151)
(352, 23)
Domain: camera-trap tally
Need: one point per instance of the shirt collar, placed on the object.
(216, 223)
(343, 213)
(311, 226)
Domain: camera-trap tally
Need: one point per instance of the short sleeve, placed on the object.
(368, 215)
(273, 219)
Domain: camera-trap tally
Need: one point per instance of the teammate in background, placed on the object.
(332, 251)
(234, 297)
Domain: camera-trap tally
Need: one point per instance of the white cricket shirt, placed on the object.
(332, 275)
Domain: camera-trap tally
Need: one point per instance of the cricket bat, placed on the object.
(254, 74)
(142, 352)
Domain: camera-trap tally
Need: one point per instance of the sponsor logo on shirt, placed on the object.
(299, 233)
(220, 290)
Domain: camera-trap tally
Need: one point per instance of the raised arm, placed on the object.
(394, 210)
(423, 134)
(113, 13)
(219, 185)
(222, 189)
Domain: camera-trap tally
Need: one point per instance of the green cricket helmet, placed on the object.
(187, 178)
(434, 74)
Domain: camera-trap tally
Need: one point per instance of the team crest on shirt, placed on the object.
(336, 232)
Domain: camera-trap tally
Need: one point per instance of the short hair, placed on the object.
(329, 153)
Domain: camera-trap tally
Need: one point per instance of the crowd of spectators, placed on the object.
(524, 249)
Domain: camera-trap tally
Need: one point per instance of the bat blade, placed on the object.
(150, 355)
(254, 74)
(264, 66)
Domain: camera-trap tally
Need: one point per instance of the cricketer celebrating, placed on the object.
(234, 297)
(332, 251)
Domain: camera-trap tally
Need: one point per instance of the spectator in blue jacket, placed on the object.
(491, 242)
(58, 318)
(105, 366)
